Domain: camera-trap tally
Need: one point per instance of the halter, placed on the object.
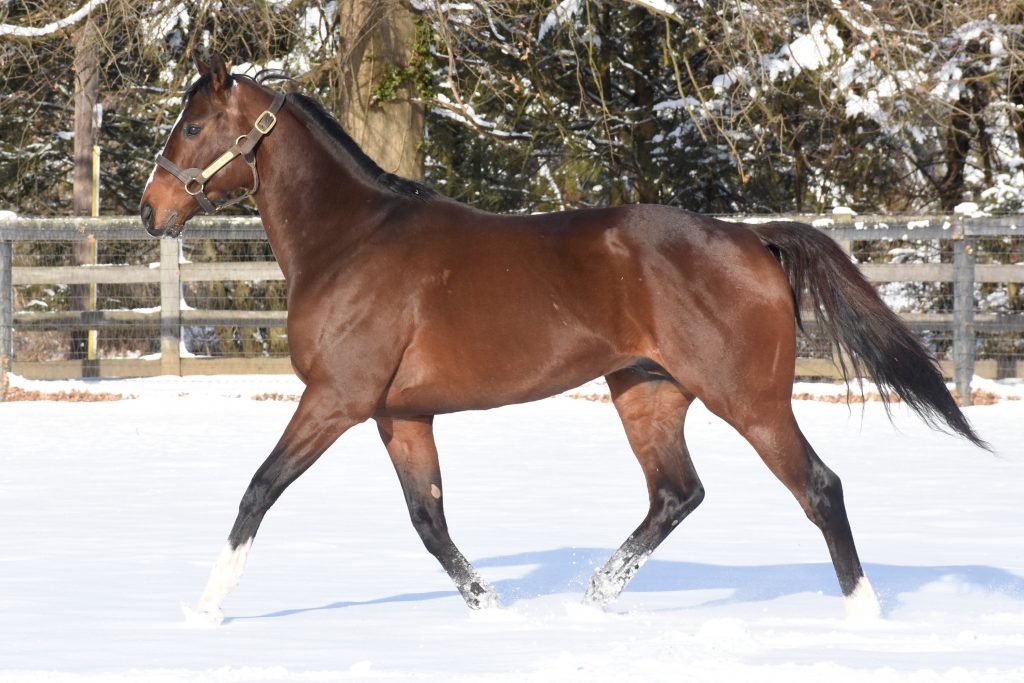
(194, 179)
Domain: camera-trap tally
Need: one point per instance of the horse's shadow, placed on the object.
(567, 570)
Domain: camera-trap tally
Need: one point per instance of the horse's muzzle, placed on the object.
(168, 228)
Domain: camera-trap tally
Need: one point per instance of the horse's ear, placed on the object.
(216, 67)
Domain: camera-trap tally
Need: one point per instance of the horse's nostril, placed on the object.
(147, 217)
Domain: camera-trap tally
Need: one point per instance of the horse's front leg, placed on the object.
(410, 443)
(316, 424)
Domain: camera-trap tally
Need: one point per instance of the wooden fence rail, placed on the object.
(170, 273)
(169, 317)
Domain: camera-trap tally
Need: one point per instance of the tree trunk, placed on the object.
(86, 74)
(376, 63)
(958, 144)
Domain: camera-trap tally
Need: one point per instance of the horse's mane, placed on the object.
(335, 136)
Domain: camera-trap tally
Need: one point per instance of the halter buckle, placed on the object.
(266, 122)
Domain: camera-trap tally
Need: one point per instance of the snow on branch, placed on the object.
(666, 9)
(567, 9)
(465, 114)
(53, 26)
(561, 14)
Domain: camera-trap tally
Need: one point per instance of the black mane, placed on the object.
(336, 135)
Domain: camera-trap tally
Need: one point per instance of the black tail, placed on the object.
(857, 322)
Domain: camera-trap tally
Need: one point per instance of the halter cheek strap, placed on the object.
(194, 179)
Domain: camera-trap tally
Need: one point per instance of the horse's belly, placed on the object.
(451, 382)
(437, 399)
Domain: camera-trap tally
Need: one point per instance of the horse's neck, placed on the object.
(311, 201)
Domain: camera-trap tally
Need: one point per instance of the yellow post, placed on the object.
(91, 306)
(97, 117)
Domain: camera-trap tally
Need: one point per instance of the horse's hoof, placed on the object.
(602, 591)
(479, 595)
(486, 601)
(596, 600)
(199, 618)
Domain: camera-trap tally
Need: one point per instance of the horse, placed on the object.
(404, 304)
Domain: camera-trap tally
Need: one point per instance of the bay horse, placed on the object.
(403, 304)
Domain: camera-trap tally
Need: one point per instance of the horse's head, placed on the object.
(210, 155)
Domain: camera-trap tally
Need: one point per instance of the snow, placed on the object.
(54, 26)
(464, 113)
(850, 21)
(813, 50)
(808, 52)
(114, 513)
(668, 9)
(968, 209)
(723, 82)
(561, 14)
(163, 21)
(678, 103)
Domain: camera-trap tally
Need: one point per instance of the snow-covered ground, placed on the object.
(111, 515)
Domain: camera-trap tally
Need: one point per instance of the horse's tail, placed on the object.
(867, 333)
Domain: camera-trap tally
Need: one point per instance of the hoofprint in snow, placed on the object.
(112, 514)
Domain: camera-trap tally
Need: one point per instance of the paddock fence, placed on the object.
(214, 301)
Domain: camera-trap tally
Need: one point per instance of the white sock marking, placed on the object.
(224, 577)
(862, 603)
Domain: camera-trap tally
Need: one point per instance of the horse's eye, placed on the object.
(192, 130)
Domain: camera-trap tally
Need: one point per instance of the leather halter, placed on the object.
(194, 179)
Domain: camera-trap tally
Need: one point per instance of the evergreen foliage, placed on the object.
(537, 105)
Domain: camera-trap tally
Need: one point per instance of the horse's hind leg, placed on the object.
(652, 409)
(410, 443)
(313, 428)
(772, 430)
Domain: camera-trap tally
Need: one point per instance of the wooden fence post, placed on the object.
(963, 313)
(6, 313)
(840, 357)
(170, 307)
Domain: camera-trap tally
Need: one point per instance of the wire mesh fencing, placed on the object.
(99, 297)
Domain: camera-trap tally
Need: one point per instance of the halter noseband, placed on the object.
(194, 179)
